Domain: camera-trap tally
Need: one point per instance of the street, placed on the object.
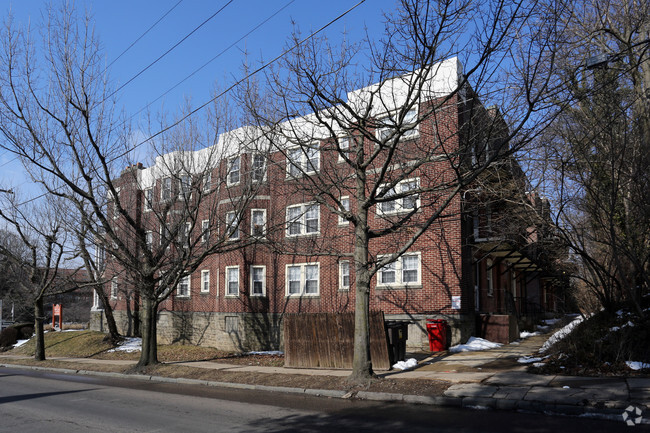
(39, 401)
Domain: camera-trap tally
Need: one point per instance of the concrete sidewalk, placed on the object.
(485, 379)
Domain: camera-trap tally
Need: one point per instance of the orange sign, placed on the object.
(56, 311)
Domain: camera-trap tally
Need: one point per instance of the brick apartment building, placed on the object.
(291, 252)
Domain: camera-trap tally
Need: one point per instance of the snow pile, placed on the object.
(636, 365)
(473, 344)
(131, 344)
(267, 352)
(20, 343)
(528, 360)
(526, 334)
(550, 322)
(405, 365)
(559, 335)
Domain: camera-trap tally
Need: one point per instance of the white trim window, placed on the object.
(205, 231)
(389, 124)
(205, 281)
(185, 186)
(258, 223)
(183, 288)
(232, 226)
(234, 170)
(258, 167)
(148, 199)
(403, 204)
(303, 219)
(403, 272)
(345, 204)
(148, 239)
(166, 189)
(115, 286)
(344, 148)
(184, 238)
(116, 207)
(258, 281)
(303, 279)
(232, 280)
(303, 160)
(489, 276)
(207, 182)
(344, 275)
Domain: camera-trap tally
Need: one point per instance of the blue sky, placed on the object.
(119, 23)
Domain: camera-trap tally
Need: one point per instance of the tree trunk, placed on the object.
(149, 354)
(110, 318)
(361, 363)
(39, 317)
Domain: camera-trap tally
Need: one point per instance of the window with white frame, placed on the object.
(405, 271)
(258, 280)
(232, 280)
(234, 170)
(205, 281)
(148, 199)
(258, 222)
(183, 288)
(407, 203)
(302, 279)
(184, 235)
(344, 275)
(165, 235)
(232, 225)
(185, 186)
(207, 182)
(489, 277)
(390, 124)
(303, 160)
(114, 288)
(205, 231)
(345, 205)
(344, 148)
(148, 239)
(166, 189)
(258, 169)
(303, 219)
(116, 207)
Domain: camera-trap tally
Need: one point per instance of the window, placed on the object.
(165, 235)
(345, 204)
(166, 189)
(258, 222)
(258, 280)
(205, 231)
(303, 279)
(489, 277)
(344, 146)
(234, 170)
(389, 124)
(303, 160)
(114, 288)
(406, 203)
(303, 219)
(232, 280)
(405, 271)
(185, 186)
(258, 172)
(184, 235)
(183, 289)
(148, 199)
(148, 240)
(232, 226)
(205, 281)
(344, 275)
(116, 207)
(207, 182)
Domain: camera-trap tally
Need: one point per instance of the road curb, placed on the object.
(483, 403)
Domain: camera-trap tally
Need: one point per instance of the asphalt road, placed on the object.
(48, 402)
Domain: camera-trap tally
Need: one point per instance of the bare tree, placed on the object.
(392, 158)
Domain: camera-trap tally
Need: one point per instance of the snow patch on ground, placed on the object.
(267, 352)
(636, 365)
(526, 334)
(20, 343)
(130, 344)
(473, 344)
(406, 365)
(550, 322)
(560, 334)
(528, 359)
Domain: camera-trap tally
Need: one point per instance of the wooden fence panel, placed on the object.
(326, 340)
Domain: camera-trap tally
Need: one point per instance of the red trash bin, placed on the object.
(437, 331)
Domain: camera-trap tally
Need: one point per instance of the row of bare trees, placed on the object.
(57, 117)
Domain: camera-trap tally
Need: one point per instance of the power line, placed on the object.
(143, 34)
(213, 58)
(169, 50)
